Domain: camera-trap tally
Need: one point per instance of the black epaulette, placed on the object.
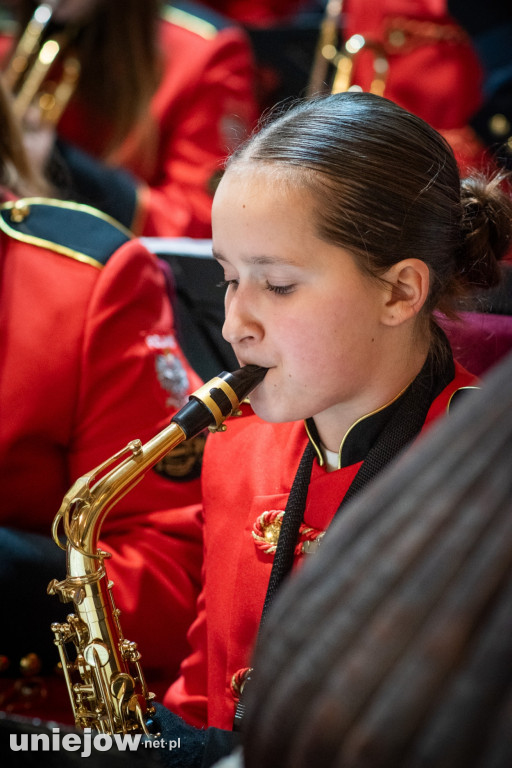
(72, 229)
(205, 22)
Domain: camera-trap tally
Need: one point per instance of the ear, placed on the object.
(409, 281)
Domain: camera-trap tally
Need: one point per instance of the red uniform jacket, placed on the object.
(244, 475)
(89, 361)
(203, 106)
(433, 72)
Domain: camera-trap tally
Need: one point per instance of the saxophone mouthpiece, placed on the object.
(212, 403)
(244, 380)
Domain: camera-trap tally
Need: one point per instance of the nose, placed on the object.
(241, 325)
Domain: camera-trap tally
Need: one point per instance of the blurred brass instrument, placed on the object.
(334, 61)
(105, 680)
(40, 73)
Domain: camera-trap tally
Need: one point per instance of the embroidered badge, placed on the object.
(267, 528)
(183, 462)
(169, 369)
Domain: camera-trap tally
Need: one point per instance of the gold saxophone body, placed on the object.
(41, 73)
(105, 680)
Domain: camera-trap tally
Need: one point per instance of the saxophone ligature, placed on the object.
(105, 680)
(333, 62)
(41, 74)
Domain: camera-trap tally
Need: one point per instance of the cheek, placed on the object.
(311, 331)
(306, 348)
(331, 346)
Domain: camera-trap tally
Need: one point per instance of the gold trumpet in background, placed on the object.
(331, 56)
(40, 73)
(105, 680)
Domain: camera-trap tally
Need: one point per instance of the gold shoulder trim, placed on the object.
(49, 244)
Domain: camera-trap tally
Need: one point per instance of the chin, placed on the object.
(261, 406)
(270, 411)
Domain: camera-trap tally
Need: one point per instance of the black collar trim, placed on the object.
(361, 436)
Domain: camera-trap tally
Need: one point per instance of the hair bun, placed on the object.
(486, 228)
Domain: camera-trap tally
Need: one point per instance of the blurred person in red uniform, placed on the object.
(417, 55)
(89, 361)
(343, 228)
(164, 93)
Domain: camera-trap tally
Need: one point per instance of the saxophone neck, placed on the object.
(89, 499)
(92, 496)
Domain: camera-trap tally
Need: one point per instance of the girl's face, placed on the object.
(296, 304)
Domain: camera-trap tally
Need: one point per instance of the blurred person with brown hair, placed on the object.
(162, 93)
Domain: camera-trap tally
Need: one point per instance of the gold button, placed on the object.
(499, 125)
(19, 211)
(271, 532)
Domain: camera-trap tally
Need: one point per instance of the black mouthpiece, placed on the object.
(244, 380)
(213, 402)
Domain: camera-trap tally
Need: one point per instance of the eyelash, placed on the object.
(279, 290)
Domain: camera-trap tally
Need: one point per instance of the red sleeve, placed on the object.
(133, 377)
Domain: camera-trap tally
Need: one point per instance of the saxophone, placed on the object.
(105, 680)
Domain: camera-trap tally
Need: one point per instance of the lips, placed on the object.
(242, 362)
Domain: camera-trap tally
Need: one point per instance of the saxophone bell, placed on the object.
(105, 680)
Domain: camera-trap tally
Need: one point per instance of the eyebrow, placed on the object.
(258, 260)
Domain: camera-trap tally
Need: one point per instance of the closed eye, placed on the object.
(281, 290)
